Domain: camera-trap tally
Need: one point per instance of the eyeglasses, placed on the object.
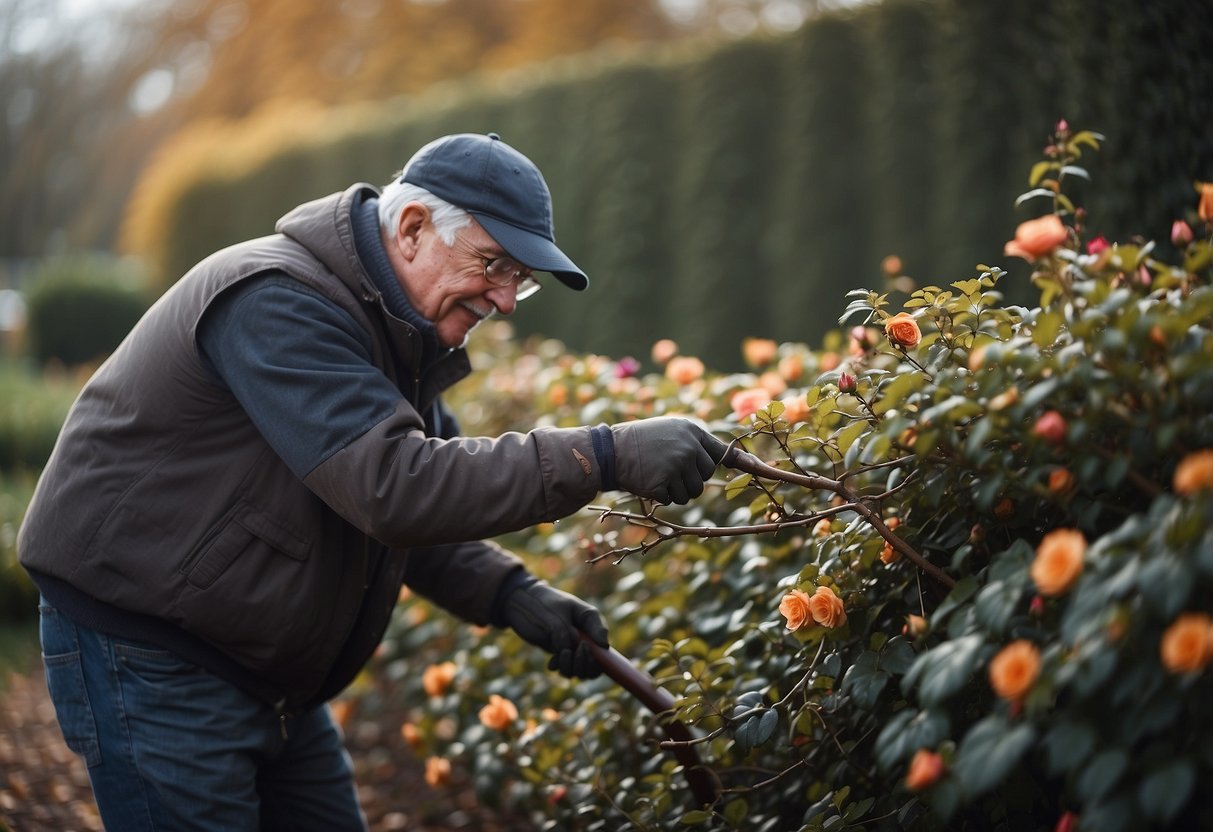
(506, 271)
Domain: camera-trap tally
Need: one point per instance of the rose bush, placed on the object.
(1019, 631)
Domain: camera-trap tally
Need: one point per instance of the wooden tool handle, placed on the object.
(642, 687)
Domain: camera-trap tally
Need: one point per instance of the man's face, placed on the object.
(447, 284)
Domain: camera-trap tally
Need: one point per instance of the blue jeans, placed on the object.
(170, 746)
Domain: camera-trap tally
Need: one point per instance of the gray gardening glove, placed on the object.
(551, 619)
(664, 458)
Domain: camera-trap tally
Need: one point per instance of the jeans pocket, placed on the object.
(149, 661)
(65, 681)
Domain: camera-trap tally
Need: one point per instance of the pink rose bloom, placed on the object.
(746, 403)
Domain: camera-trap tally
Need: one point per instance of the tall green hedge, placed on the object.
(722, 192)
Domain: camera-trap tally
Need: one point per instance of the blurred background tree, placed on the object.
(91, 89)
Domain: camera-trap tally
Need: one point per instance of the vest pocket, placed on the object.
(245, 528)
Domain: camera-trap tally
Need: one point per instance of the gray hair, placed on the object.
(446, 217)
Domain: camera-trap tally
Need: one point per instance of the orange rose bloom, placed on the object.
(683, 369)
(773, 383)
(1014, 670)
(1205, 209)
(791, 367)
(759, 352)
(891, 265)
(437, 771)
(437, 678)
(341, 710)
(664, 350)
(903, 330)
(411, 735)
(1187, 645)
(746, 403)
(499, 714)
(889, 555)
(829, 360)
(926, 767)
(795, 410)
(1005, 399)
(1036, 238)
(1060, 481)
(1058, 561)
(827, 608)
(795, 608)
(1194, 473)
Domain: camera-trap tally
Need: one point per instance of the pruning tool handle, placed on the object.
(642, 687)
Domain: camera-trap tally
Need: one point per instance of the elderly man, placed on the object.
(239, 493)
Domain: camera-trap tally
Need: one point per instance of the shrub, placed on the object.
(81, 308)
(18, 597)
(32, 410)
(1011, 504)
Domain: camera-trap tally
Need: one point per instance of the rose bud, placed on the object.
(1181, 233)
(847, 383)
(1097, 246)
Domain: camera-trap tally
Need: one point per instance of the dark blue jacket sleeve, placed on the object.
(298, 364)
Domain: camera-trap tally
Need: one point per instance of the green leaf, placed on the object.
(1198, 256)
(956, 407)
(1038, 171)
(695, 816)
(767, 723)
(1032, 194)
(968, 287)
(1102, 774)
(864, 681)
(736, 810)
(1046, 327)
(909, 731)
(897, 656)
(989, 751)
(736, 485)
(1087, 137)
(1067, 746)
(943, 670)
(996, 603)
(965, 589)
(857, 810)
(849, 434)
(1165, 791)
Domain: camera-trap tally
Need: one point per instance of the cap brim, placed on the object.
(533, 251)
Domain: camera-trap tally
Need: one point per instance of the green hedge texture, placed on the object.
(81, 308)
(718, 193)
(962, 579)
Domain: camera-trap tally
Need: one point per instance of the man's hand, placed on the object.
(664, 458)
(551, 619)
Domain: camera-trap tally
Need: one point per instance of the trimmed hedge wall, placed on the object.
(686, 179)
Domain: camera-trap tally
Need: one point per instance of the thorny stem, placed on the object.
(906, 355)
(667, 530)
(872, 417)
(750, 464)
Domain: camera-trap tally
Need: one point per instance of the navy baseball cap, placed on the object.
(503, 190)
